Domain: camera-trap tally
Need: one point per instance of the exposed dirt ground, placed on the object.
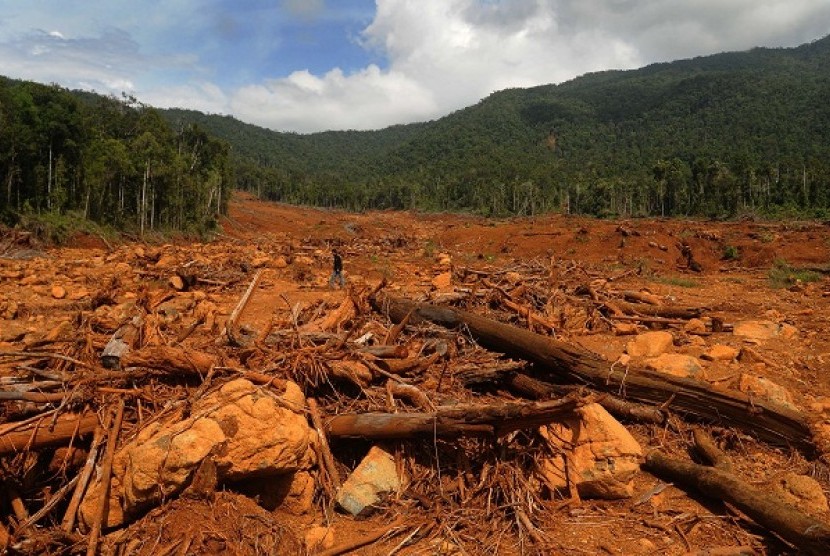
(738, 281)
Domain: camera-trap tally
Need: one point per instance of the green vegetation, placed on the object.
(67, 157)
(679, 281)
(782, 275)
(730, 253)
(743, 133)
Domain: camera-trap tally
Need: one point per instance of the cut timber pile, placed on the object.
(159, 416)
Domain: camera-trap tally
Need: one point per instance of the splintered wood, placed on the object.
(505, 408)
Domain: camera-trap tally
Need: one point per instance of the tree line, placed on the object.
(111, 160)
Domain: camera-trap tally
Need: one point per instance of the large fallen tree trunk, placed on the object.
(777, 425)
(767, 509)
(456, 420)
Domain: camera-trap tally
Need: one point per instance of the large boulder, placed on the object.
(649, 344)
(594, 451)
(248, 432)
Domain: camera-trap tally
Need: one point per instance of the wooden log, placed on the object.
(230, 324)
(121, 342)
(618, 408)
(769, 422)
(457, 420)
(68, 522)
(106, 475)
(411, 365)
(42, 434)
(765, 508)
(169, 359)
(386, 351)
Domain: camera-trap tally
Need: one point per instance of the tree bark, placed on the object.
(457, 420)
(777, 425)
(41, 434)
(765, 508)
(170, 358)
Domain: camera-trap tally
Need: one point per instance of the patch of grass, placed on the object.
(782, 275)
(679, 281)
(730, 253)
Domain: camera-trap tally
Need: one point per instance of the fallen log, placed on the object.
(170, 359)
(665, 311)
(765, 508)
(769, 422)
(43, 434)
(456, 420)
(230, 324)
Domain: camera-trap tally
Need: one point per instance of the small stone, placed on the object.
(625, 329)
(650, 344)
(694, 325)
(443, 281)
(676, 364)
(444, 259)
(280, 262)
(697, 341)
(302, 260)
(647, 546)
(260, 261)
(375, 477)
(176, 283)
(58, 292)
(720, 352)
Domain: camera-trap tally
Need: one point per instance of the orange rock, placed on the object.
(649, 344)
(443, 281)
(720, 352)
(765, 389)
(58, 292)
(676, 364)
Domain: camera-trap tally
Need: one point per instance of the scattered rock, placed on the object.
(720, 352)
(801, 491)
(513, 277)
(749, 356)
(649, 344)
(280, 262)
(443, 281)
(302, 260)
(600, 455)
(676, 364)
(375, 477)
(176, 283)
(694, 325)
(248, 431)
(763, 330)
(260, 260)
(58, 292)
(765, 389)
(625, 328)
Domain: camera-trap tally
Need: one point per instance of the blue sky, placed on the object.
(311, 65)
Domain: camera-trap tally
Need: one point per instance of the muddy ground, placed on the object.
(749, 270)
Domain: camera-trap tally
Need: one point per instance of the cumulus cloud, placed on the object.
(433, 56)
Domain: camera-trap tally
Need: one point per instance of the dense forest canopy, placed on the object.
(716, 136)
(112, 161)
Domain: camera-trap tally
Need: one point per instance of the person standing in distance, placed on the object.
(337, 271)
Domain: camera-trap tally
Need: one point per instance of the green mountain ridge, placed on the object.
(714, 135)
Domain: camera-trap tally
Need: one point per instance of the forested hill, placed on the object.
(716, 135)
(67, 156)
